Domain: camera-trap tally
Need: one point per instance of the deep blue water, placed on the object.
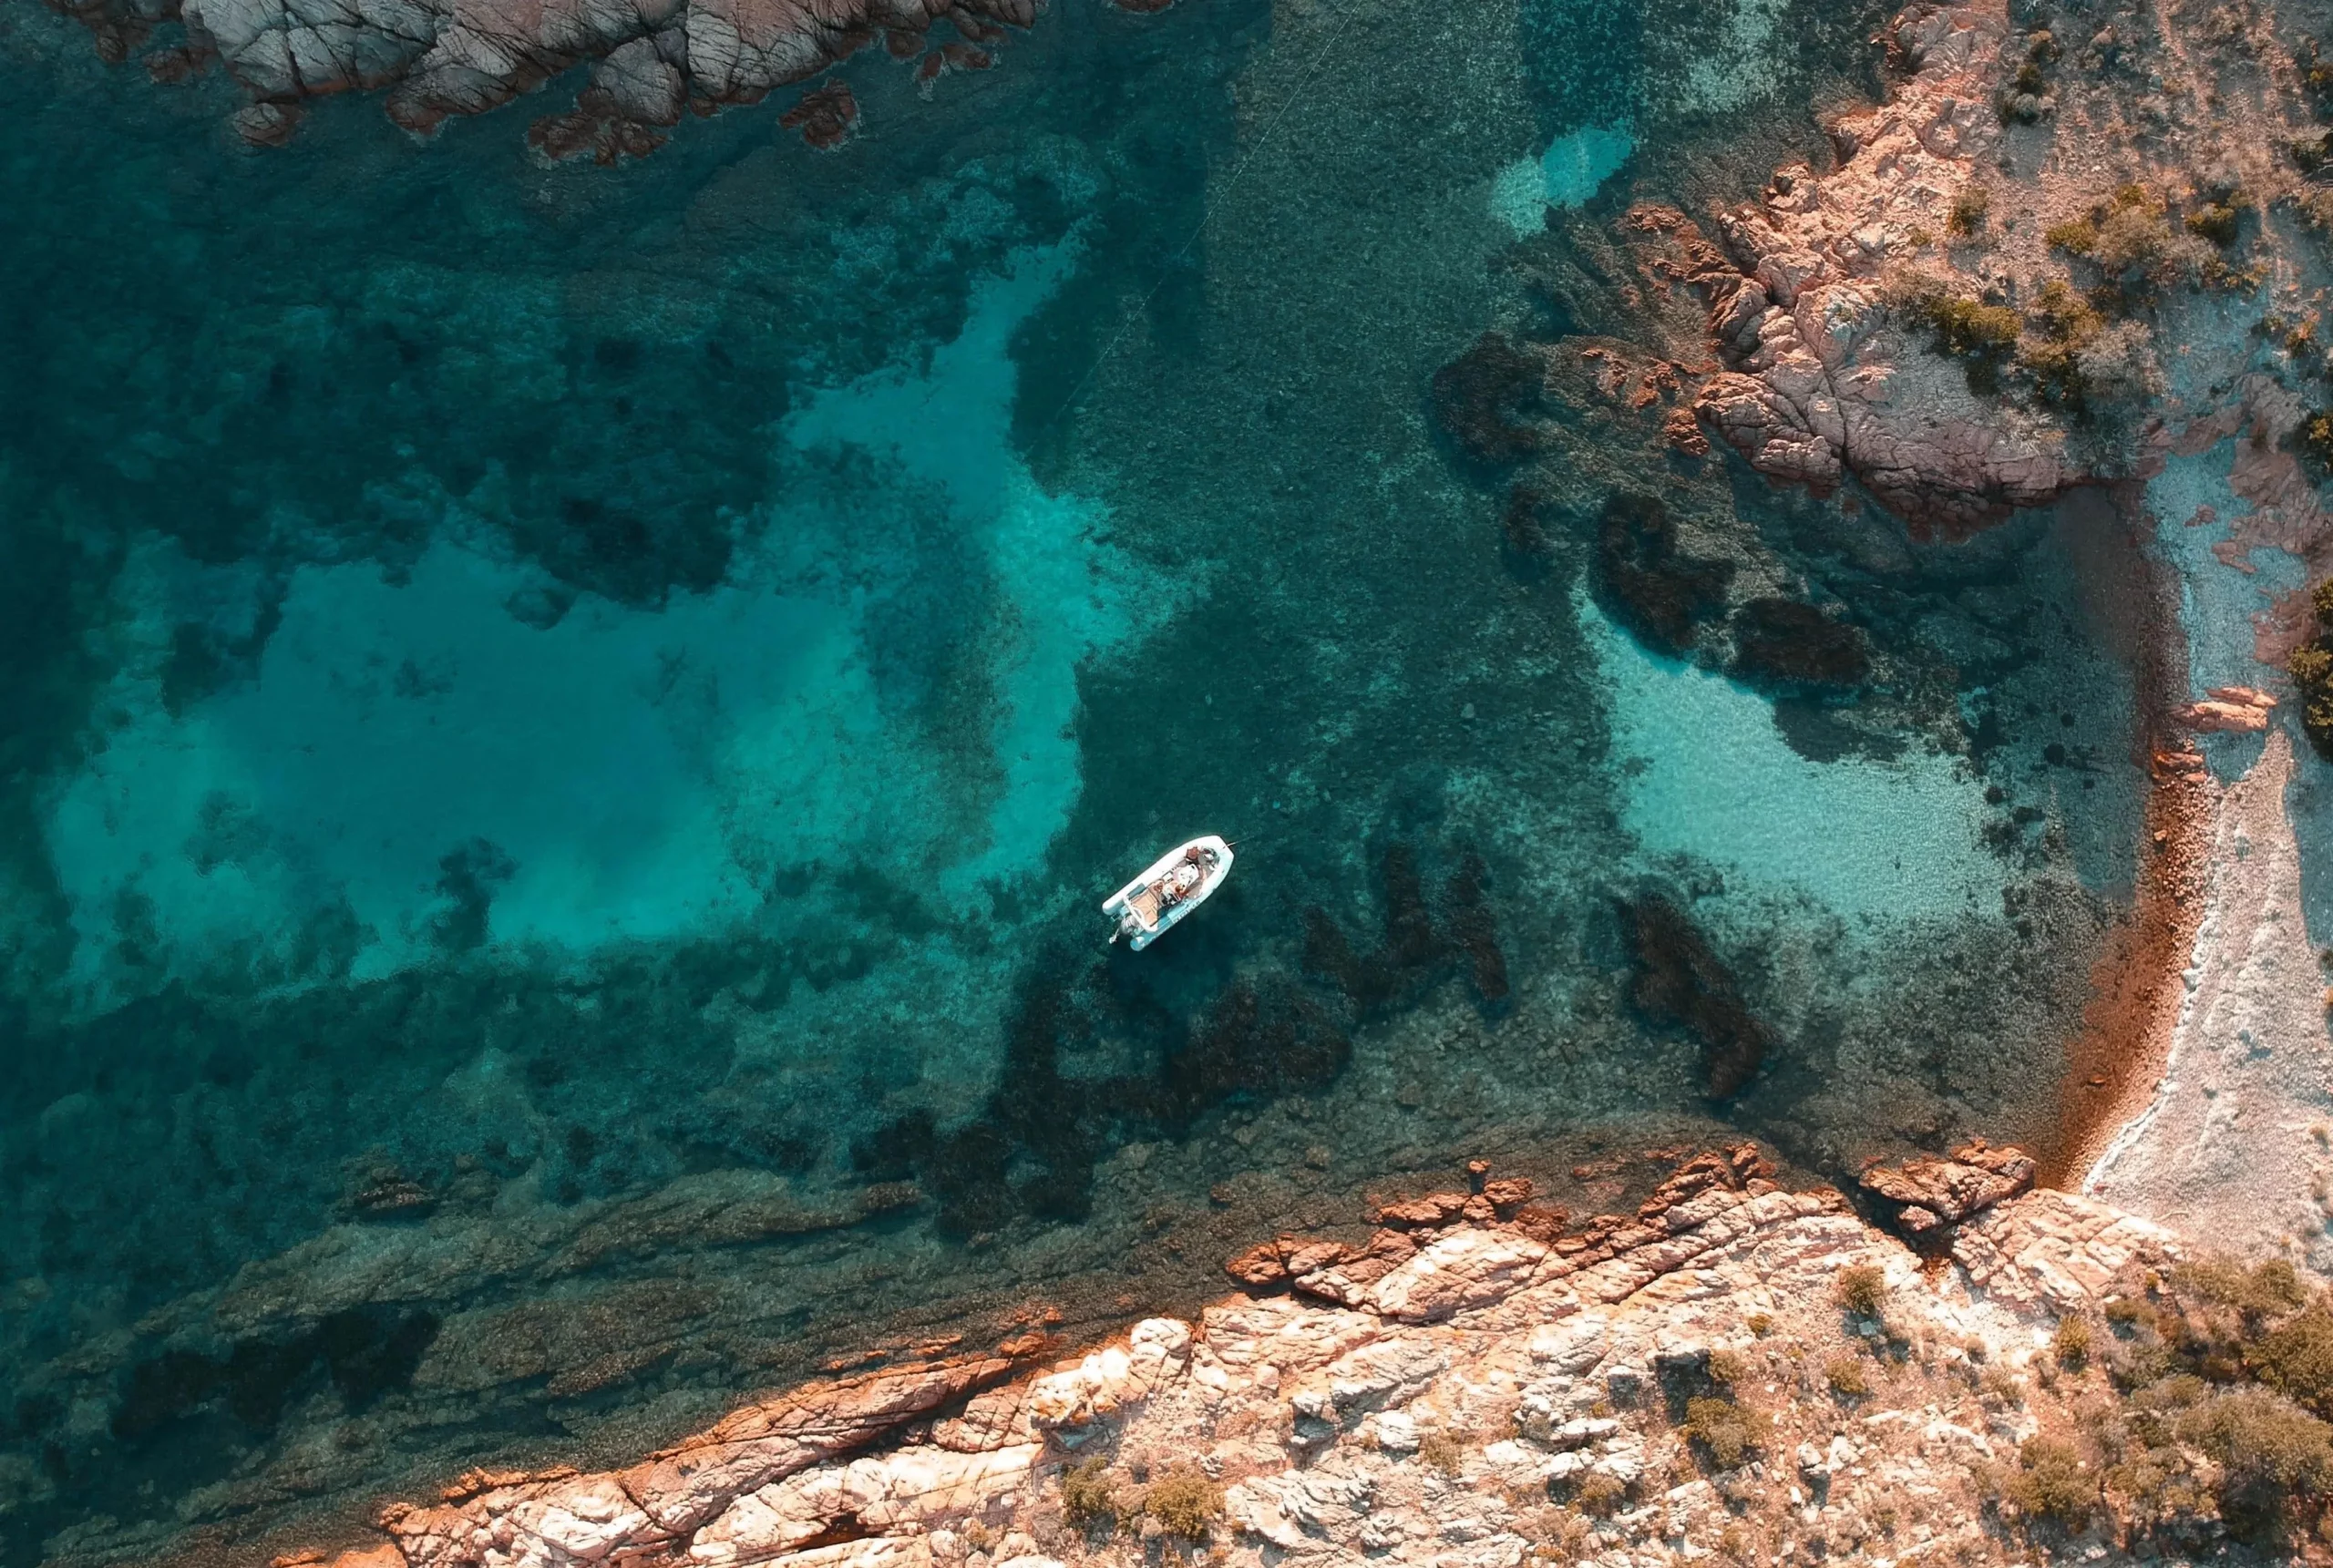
(564, 730)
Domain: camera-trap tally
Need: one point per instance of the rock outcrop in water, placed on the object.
(1679, 981)
(652, 60)
(1736, 1370)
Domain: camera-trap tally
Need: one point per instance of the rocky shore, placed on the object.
(1967, 1370)
(649, 63)
(2074, 249)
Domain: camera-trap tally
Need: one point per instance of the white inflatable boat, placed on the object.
(1179, 883)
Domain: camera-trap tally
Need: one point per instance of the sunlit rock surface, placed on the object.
(1508, 1387)
(650, 62)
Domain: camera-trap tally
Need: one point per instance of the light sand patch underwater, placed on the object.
(413, 767)
(1710, 778)
(1573, 169)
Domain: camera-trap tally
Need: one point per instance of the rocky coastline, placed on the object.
(1949, 1364)
(1923, 326)
(648, 65)
(1943, 1366)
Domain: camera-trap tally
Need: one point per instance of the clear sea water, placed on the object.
(564, 728)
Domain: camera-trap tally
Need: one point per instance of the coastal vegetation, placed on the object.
(2080, 353)
(1862, 1290)
(1725, 1429)
(2205, 1396)
(1184, 1502)
(2311, 665)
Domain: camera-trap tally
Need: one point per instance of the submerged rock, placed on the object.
(1647, 583)
(1782, 640)
(1680, 980)
(1485, 398)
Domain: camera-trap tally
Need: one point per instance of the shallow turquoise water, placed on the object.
(567, 728)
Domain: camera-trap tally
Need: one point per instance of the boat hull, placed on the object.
(1143, 916)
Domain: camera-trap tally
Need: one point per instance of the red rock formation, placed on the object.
(438, 59)
(1826, 388)
(1933, 1195)
(562, 1516)
(1334, 1271)
(824, 117)
(2229, 710)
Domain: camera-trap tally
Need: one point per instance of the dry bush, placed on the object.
(1184, 1503)
(2071, 1343)
(1847, 1377)
(2050, 1483)
(1600, 1495)
(1862, 1288)
(1727, 1431)
(1971, 208)
(1445, 1451)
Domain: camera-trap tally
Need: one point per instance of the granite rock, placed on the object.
(650, 60)
(1416, 1419)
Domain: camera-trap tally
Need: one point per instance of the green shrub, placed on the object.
(1600, 1495)
(1760, 1324)
(1184, 1503)
(2132, 239)
(2076, 236)
(2313, 73)
(2062, 325)
(1088, 1499)
(2157, 1488)
(2311, 667)
(2273, 1456)
(1862, 1290)
(2215, 221)
(1727, 1368)
(1972, 329)
(2050, 1483)
(1847, 1375)
(2151, 1414)
(1970, 208)
(2296, 1358)
(2317, 437)
(1727, 1431)
(2258, 1291)
(2071, 1346)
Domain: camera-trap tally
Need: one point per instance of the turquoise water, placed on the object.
(566, 729)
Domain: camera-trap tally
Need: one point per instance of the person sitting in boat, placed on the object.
(1178, 884)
